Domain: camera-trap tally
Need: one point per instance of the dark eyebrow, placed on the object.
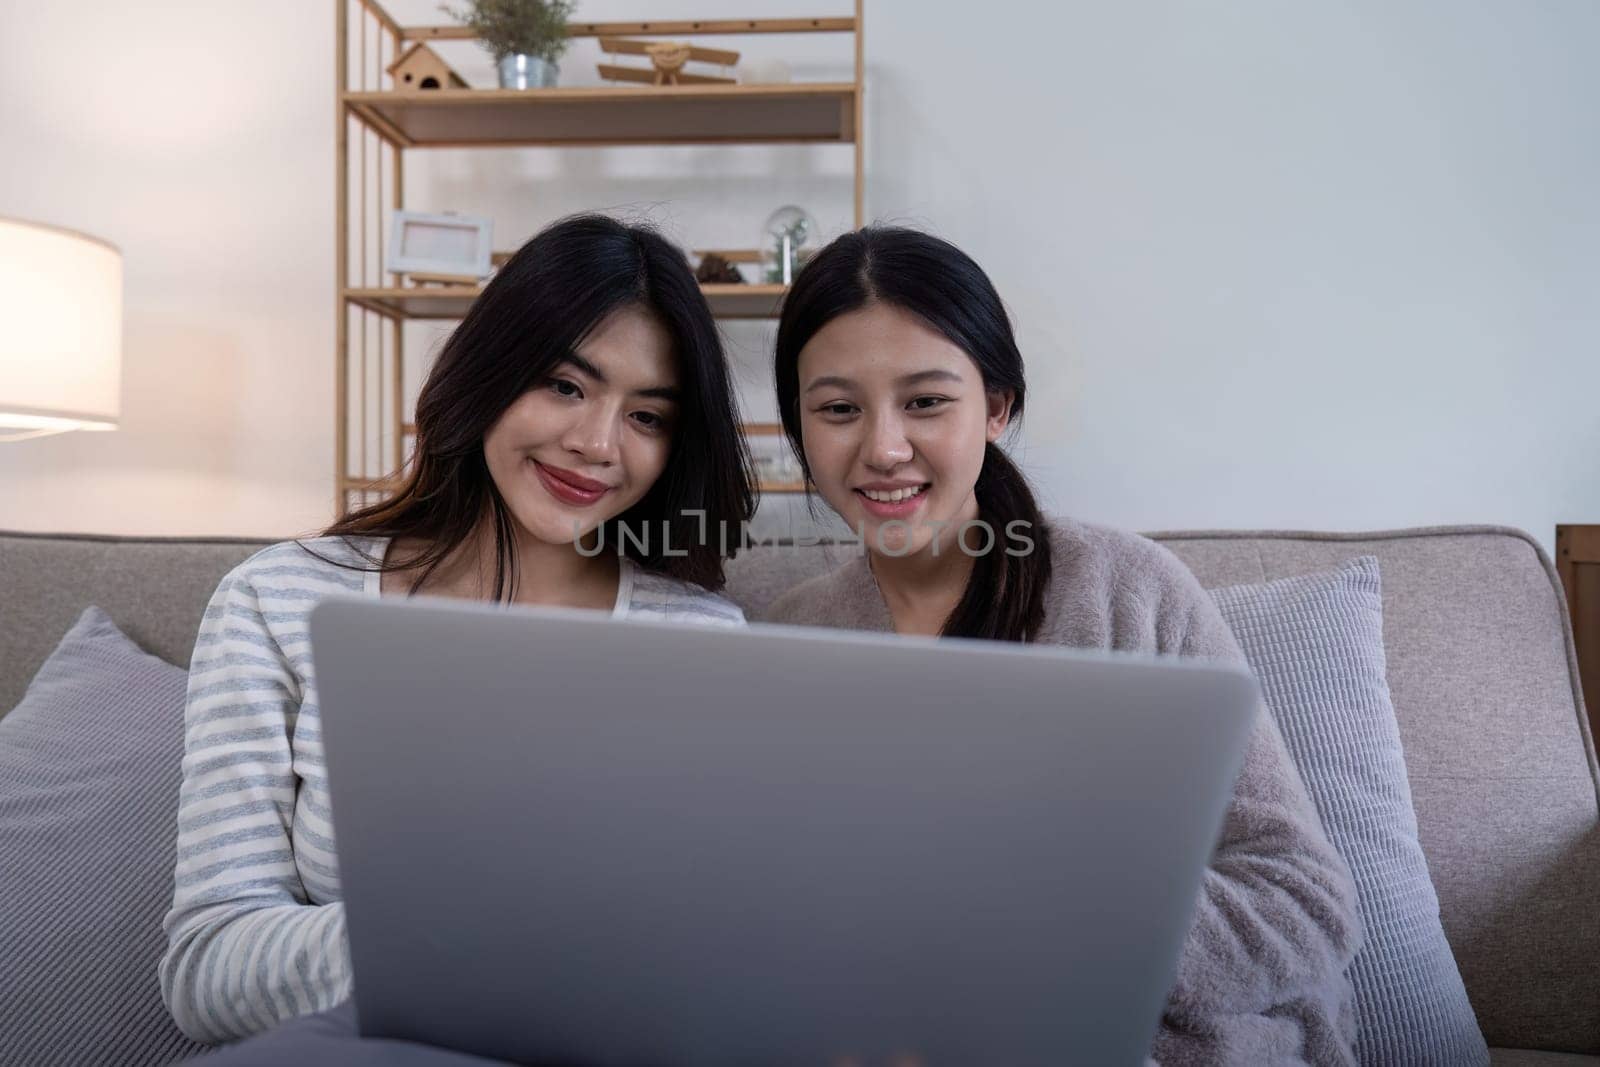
(830, 380)
(910, 379)
(660, 392)
(930, 376)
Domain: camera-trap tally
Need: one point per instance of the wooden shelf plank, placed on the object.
(621, 115)
(676, 28)
(429, 302)
(733, 301)
(452, 301)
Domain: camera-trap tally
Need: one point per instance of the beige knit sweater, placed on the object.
(1262, 976)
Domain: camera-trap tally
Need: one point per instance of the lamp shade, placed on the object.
(60, 329)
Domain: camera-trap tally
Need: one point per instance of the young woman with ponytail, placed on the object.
(897, 374)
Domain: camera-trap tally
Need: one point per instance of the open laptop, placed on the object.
(569, 839)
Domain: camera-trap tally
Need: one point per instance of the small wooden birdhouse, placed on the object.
(421, 68)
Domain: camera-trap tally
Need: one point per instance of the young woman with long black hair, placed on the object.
(585, 391)
(897, 374)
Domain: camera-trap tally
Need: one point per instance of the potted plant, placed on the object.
(526, 37)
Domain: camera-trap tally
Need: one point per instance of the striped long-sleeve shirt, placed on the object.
(256, 933)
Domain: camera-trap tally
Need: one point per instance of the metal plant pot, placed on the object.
(527, 72)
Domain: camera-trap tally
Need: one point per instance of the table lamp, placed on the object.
(60, 331)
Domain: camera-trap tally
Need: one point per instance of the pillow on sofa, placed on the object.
(1316, 644)
(90, 763)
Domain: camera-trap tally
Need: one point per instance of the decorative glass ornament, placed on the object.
(787, 241)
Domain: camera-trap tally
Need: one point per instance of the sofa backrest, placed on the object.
(154, 588)
(1481, 669)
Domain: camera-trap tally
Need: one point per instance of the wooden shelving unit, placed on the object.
(377, 124)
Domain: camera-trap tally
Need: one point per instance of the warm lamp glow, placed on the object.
(60, 331)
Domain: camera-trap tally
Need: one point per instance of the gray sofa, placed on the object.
(1481, 669)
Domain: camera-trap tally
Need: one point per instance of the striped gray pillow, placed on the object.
(89, 769)
(1316, 644)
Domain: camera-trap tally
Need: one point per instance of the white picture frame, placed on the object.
(440, 246)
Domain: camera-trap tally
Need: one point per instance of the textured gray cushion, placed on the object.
(89, 769)
(1316, 643)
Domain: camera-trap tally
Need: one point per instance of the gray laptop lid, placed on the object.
(568, 839)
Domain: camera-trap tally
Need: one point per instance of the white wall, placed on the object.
(204, 148)
(1317, 265)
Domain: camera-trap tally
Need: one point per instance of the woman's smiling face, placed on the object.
(895, 420)
(587, 444)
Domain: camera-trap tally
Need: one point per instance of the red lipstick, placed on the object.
(569, 487)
